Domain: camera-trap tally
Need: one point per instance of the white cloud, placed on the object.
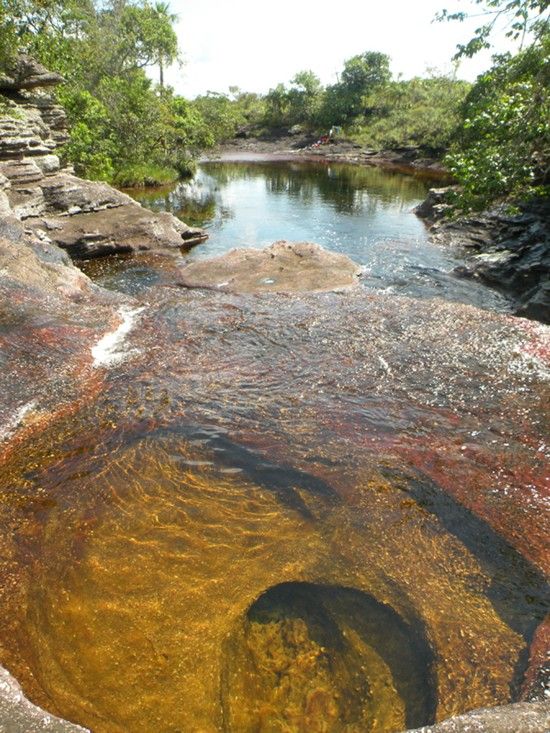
(257, 45)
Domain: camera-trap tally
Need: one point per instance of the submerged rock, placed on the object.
(284, 267)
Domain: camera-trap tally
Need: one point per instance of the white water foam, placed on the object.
(525, 363)
(109, 349)
(15, 420)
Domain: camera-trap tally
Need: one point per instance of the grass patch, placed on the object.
(144, 175)
(186, 168)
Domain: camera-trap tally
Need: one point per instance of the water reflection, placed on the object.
(218, 190)
(365, 213)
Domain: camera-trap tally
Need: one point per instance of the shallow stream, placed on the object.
(279, 513)
(365, 213)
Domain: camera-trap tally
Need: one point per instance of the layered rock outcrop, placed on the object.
(86, 218)
(508, 251)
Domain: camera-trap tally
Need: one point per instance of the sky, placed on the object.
(255, 45)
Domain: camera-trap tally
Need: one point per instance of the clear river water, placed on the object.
(317, 513)
(363, 212)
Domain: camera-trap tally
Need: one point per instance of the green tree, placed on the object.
(366, 71)
(362, 75)
(520, 18)
(422, 112)
(220, 114)
(91, 148)
(277, 104)
(304, 97)
(120, 121)
(167, 42)
(251, 106)
(503, 146)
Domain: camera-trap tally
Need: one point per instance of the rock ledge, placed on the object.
(283, 267)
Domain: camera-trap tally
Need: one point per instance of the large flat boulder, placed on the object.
(129, 228)
(91, 218)
(288, 267)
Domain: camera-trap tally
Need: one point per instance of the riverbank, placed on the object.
(508, 250)
(306, 147)
(175, 462)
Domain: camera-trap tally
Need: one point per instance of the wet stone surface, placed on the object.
(284, 267)
(274, 508)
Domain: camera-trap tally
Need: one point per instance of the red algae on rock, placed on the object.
(263, 470)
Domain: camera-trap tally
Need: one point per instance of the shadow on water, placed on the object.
(290, 486)
(321, 657)
(518, 591)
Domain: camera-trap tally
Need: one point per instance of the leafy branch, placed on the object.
(522, 17)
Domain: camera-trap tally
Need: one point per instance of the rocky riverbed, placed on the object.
(231, 500)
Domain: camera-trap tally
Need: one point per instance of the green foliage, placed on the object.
(9, 41)
(520, 17)
(503, 148)
(304, 98)
(251, 105)
(220, 115)
(306, 102)
(277, 105)
(122, 126)
(365, 72)
(144, 175)
(418, 112)
(362, 75)
(90, 147)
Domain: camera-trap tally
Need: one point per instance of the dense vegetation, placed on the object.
(131, 130)
(501, 148)
(124, 127)
(372, 108)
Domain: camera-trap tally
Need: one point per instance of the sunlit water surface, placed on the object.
(365, 213)
(282, 514)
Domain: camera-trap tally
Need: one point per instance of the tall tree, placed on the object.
(362, 74)
(520, 18)
(168, 46)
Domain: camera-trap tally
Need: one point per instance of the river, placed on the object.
(274, 513)
(363, 212)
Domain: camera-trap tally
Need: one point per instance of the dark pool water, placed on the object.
(365, 213)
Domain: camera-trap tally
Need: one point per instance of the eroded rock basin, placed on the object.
(285, 513)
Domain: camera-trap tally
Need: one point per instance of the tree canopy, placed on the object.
(519, 17)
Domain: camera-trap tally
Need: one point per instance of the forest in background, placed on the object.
(493, 135)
